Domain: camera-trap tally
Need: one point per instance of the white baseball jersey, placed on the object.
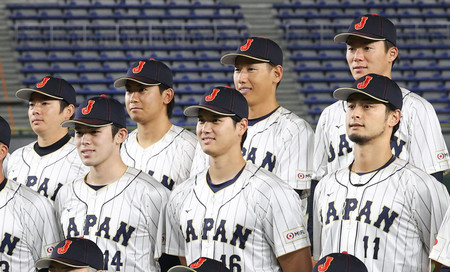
(441, 249)
(418, 140)
(122, 218)
(280, 142)
(46, 174)
(247, 224)
(28, 228)
(168, 161)
(387, 218)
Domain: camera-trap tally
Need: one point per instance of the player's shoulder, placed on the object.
(286, 121)
(413, 174)
(335, 177)
(263, 180)
(413, 101)
(23, 150)
(182, 135)
(27, 198)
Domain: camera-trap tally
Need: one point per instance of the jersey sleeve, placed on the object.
(441, 248)
(317, 223)
(428, 148)
(156, 202)
(174, 236)
(280, 212)
(430, 202)
(295, 164)
(320, 146)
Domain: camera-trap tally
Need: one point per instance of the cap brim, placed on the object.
(231, 58)
(192, 111)
(344, 93)
(26, 93)
(180, 268)
(123, 80)
(45, 263)
(85, 122)
(342, 37)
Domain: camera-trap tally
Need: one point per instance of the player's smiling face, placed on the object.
(44, 114)
(367, 56)
(217, 134)
(255, 80)
(144, 103)
(95, 145)
(367, 119)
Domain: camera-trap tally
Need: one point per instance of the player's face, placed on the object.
(57, 267)
(96, 146)
(44, 114)
(144, 103)
(367, 119)
(366, 56)
(256, 80)
(217, 134)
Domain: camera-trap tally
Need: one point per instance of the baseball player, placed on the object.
(46, 164)
(28, 227)
(380, 208)
(371, 48)
(73, 254)
(156, 147)
(277, 140)
(234, 211)
(440, 252)
(116, 206)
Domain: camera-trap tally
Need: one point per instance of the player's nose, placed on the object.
(358, 54)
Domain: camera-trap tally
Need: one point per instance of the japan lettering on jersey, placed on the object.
(45, 174)
(282, 143)
(387, 218)
(203, 223)
(441, 248)
(419, 139)
(123, 218)
(28, 230)
(169, 160)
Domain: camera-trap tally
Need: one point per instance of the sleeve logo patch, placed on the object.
(439, 243)
(303, 175)
(442, 155)
(294, 235)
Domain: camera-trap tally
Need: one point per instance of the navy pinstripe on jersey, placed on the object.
(387, 218)
(123, 218)
(419, 139)
(28, 228)
(45, 174)
(246, 225)
(441, 248)
(168, 160)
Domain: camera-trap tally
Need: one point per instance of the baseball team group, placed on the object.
(254, 189)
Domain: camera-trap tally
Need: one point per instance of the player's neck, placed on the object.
(106, 173)
(371, 157)
(224, 168)
(48, 138)
(256, 111)
(151, 132)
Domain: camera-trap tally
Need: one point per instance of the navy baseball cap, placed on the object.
(147, 72)
(74, 252)
(53, 87)
(340, 262)
(372, 27)
(98, 111)
(257, 48)
(201, 265)
(5, 132)
(378, 87)
(223, 101)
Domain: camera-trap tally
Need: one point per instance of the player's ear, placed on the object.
(393, 53)
(395, 117)
(121, 135)
(69, 111)
(168, 95)
(242, 126)
(278, 73)
(3, 151)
